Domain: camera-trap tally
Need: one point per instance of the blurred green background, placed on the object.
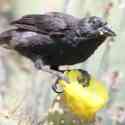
(25, 93)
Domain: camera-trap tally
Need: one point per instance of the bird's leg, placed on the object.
(41, 66)
(56, 87)
(59, 75)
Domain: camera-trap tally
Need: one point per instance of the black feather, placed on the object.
(56, 38)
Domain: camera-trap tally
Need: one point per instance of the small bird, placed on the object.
(56, 39)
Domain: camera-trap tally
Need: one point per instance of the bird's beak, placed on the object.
(106, 30)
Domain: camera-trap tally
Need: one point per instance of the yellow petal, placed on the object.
(84, 101)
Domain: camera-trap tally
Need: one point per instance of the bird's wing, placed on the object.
(46, 24)
(29, 39)
(31, 43)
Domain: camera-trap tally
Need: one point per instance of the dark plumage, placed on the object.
(55, 38)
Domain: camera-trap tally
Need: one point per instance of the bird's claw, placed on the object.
(56, 89)
(56, 86)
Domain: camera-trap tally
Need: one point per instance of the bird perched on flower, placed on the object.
(56, 38)
(83, 100)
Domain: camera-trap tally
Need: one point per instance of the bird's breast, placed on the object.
(68, 55)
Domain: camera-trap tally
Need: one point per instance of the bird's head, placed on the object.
(94, 27)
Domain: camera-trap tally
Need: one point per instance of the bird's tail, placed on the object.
(5, 37)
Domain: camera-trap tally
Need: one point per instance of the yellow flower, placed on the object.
(84, 101)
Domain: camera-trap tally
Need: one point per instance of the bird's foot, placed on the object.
(59, 76)
(56, 87)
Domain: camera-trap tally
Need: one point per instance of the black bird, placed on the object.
(56, 38)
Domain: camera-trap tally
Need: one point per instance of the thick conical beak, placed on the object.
(106, 30)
